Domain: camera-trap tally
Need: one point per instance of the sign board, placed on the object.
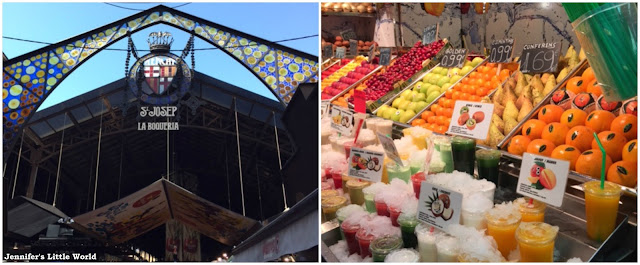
(372, 52)
(471, 119)
(439, 207)
(454, 58)
(430, 34)
(324, 108)
(349, 34)
(543, 178)
(539, 58)
(327, 51)
(353, 47)
(501, 51)
(365, 164)
(385, 55)
(389, 148)
(342, 120)
(341, 52)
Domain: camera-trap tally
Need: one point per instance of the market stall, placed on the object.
(509, 150)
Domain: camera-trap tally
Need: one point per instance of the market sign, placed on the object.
(353, 47)
(327, 51)
(471, 119)
(372, 52)
(342, 120)
(385, 56)
(340, 52)
(439, 207)
(349, 34)
(454, 58)
(389, 148)
(365, 165)
(501, 51)
(539, 58)
(543, 178)
(430, 34)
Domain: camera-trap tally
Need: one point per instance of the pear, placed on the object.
(495, 136)
(499, 95)
(510, 111)
(526, 108)
(549, 85)
(522, 82)
(537, 97)
(545, 77)
(498, 109)
(483, 142)
(582, 55)
(511, 82)
(509, 96)
(525, 96)
(485, 99)
(536, 83)
(563, 73)
(509, 125)
(570, 52)
(574, 60)
(497, 121)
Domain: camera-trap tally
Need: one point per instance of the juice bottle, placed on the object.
(364, 240)
(355, 187)
(531, 212)
(382, 246)
(488, 164)
(447, 247)
(464, 152)
(402, 172)
(601, 208)
(502, 222)
(408, 223)
(417, 180)
(349, 229)
(426, 236)
(331, 205)
(536, 241)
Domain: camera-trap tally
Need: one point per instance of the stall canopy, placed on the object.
(159, 202)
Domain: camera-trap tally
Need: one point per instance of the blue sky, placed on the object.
(54, 22)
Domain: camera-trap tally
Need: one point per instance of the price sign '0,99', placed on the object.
(539, 58)
(501, 51)
(453, 58)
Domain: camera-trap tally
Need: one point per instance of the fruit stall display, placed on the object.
(521, 95)
(338, 41)
(564, 127)
(350, 74)
(335, 66)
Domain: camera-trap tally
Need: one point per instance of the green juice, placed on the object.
(464, 152)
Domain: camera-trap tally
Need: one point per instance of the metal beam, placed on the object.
(35, 157)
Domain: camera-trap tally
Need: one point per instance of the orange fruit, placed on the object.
(630, 151)
(518, 144)
(580, 137)
(555, 132)
(627, 125)
(624, 173)
(599, 120)
(594, 88)
(576, 85)
(573, 117)
(426, 114)
(418, 122)
(442, 129)
(590, 162)
(431, 119)
(533, 128)
(588, 75)
(550, 113)
(440, 120)
(541, 147)
(567, 152)
(612, 142)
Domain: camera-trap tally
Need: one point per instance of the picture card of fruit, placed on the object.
(439, 207)
(543, 178)
(366, 164)
(342, 120)
(389, 148)
(471, 119)
(454, 58)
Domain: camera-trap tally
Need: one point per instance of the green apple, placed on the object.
(388, 112)
(433, 88)
(404, 95)
(417, 86)
(411, 106)
(425, 88)
(437, 69)
(467, 63)
(406, 116)
(443, 89)
(443, 80)
(432, 96)
(476, 61)
(396, 102)
(396, 115)
(444, 71)
(454, 71)
(434, 79)
(381, 110)
(455, 79)
(420, 106)
(426, 78)
(404, 104)
(466, 69)
(419, 97)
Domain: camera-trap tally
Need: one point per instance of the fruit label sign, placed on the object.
(539, 58)
(372, 52)
(543, 178)
(385, 56)
(353, 47)
(324, 107)
(349, 34)
(471, 119)
(429, 34)
(389, 148)
(501, 51)
(439, 207)
(365, 164)
(342, 120)
(454, 58)
(340, 52)
(327, 51)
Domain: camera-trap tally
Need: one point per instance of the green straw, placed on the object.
(604, 161)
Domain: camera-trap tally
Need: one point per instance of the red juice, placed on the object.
(394, 213)
(417, 180)
(337, 180)
(364, 240)
(350, 230)
(381, 207)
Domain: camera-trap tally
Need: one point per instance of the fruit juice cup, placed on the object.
(601, 208)
(382, 246)
(331, 205)
(488, 164)
(357, 117)
(394, 213)
(372, 124)
(473, 219)
(385, 127)
(536, 240)
(408, 225)
(345, 179)
(349, 230)
(341, 145)
(426, 237)
(381, 206)
(403, 255)
(416, 165)
(417, 180)
(385, 173)
(364, 240)
(531, 212)
(355, 187)
(402, 172)
(502, 227)
(464, 152)
(347, 147)
(366, 138)
(343, 213)
(369, 202)
(333, 139)
(328, 193)
(447, 249)
(336, 175)
(443, 145)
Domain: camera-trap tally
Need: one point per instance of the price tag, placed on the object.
(349, 34)
(543, 178)
(501, 51)
(439, 207)
(471, 119)
(454, 58)
(340, 52)
(385, 55)
(429, 34)
(539, 58)
(372, 52)
(324, 108)
(342, 120)
(353, 47)
(365, 164)
(389, 148)
(327, 51)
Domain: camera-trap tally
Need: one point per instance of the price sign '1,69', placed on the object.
(539, 58)
(501, 51)
(453, 58)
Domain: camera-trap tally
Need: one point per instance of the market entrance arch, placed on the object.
(30, 78)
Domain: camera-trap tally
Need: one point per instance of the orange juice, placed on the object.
(536, 240)
(385, 175)
(530, 212)
(601, 208)
(502, 222)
